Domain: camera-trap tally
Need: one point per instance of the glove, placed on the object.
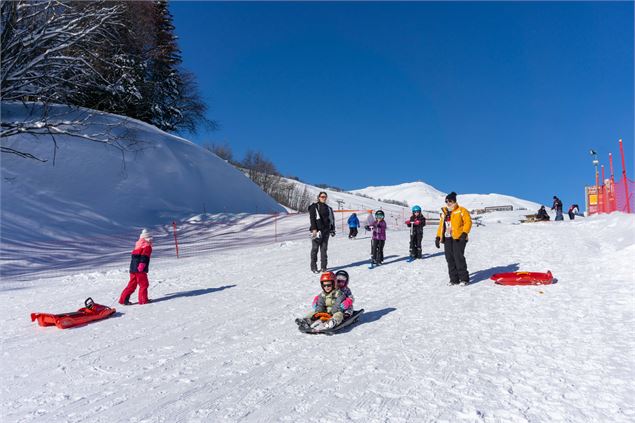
(315, 302)
(332, 233)
(417, 222)
(408, 222)
(367, 228)
(141, 267)
(347, 303)
(463, 237)
(437, 242)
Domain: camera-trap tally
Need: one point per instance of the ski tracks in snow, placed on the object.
(219, 343)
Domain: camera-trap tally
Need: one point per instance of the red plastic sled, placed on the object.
(523, 278)
(82, 316)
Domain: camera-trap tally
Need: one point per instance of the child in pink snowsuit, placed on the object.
(139, 265)
(341, 281)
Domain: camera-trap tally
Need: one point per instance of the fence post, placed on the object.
(342, 222)
(176, 242)
(612, 199)
(628, 200)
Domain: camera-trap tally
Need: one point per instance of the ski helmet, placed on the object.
(416, 209)
(341, 275)
(327, 277)
(379, 213)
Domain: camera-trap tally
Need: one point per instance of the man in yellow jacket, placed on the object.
(454, 225)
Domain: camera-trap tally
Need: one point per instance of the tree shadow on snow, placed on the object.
(358, 263)
(483, 275)
(192, 293)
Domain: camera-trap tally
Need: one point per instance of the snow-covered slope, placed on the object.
(141, 177)
(426, 196)
(430, 198)
(350, 201)
(219, 343)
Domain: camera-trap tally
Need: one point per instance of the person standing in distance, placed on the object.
(557, 206)
(322, 226)
(454, 225)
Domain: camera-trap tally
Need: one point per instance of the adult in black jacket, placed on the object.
(557, 206)
(322, 226)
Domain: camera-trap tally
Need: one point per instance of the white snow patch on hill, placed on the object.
(143, 177)
(429, 198)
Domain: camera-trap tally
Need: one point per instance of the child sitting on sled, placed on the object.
(139, 265)
(327, 304)
(341, 282)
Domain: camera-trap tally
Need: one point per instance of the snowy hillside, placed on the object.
(350, 201)
(141, 177)
(430, 198)
(219, 344)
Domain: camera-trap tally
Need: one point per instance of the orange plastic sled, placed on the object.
(82, 316)
(523, 278)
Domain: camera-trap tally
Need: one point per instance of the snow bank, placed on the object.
(141, 177)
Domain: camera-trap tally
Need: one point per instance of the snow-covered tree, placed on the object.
(113, 56)
(50, 50)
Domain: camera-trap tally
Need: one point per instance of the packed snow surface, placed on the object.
(219, 344)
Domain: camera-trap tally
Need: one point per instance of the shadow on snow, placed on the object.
(368, 317)
(483, 275)
(192, 293)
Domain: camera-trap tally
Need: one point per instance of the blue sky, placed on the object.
(468, 97)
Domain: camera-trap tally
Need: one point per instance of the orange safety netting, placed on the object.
(611, 196)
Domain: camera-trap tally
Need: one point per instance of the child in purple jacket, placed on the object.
(379, 239)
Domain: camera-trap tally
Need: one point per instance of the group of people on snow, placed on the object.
(336, 298)
(335, 301)
(454, 226)
(542, 214)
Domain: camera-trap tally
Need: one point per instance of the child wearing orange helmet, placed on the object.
(328, 301)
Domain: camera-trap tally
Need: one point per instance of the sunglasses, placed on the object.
(342, 282)
(449, 202)
(322, 196)
(327, 285)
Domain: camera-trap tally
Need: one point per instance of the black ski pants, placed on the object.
(322, 244)
(377, 250)
(352, 232)
(455, 256)
(415, 244)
